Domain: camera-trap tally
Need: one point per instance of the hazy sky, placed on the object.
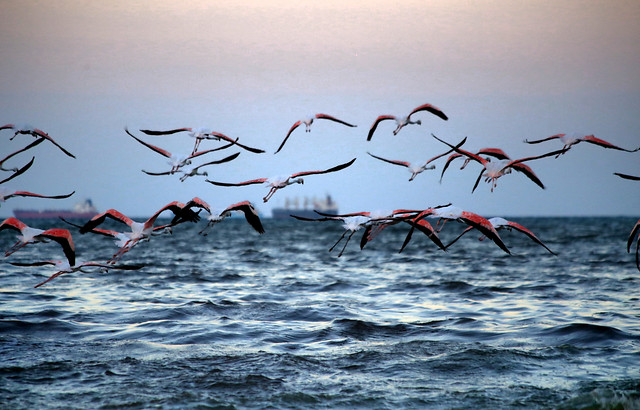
(502, 71)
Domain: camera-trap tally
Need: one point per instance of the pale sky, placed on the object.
(502, 71)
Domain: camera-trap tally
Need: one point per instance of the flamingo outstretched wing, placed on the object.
(605, 144)
(626, 176)
(333, 169)
(62, 237)
(100, 218)
(391, 161)
(467, 154)
(530, 234)
(334, 119)
(553, 137)
(430, 108)
(223, 137)
(293, 127)
(377, 122)
(31, 194)
(152, 132)
(159, 150)
(250, 182)
(33, 144)
(19, 171)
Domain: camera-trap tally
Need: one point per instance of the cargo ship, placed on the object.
(81, 210)
(306, 208)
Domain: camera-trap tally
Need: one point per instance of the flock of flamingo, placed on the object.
(494, 164)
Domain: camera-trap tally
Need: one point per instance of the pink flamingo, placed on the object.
(63, 267)
(140, 231)
(176, 161)
(191, 171)
(495, 169)
(278, 182)
(570, 140)
(492, 152)
(29, 235)
(417, 168)
(374, 222)
(35, 132)
(501, 223)
(203, 134)
(246, 207)
(307, 122)
(449, 212)
(401, 122)
(351, 224)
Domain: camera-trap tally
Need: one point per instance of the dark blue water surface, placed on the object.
(241, 320)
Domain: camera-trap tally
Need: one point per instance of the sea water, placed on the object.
(236, 319)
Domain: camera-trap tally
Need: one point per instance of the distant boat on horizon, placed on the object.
(81, 210)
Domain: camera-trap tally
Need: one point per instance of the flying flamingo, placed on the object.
(416, 168)
(501, 223)
(183, 212)
(18, 172)
(277, 182)
(120, 238)
(35, 132)
(404, 121)
(191, 170)
(570, 140)
(29, 235)
(203, 134)
(495, 169)
(450, 212)
(6, 193)
(307, 122)
(377, 220)
(2, 161)
(412, 219)
(249, 211)
(351, 224)
(176, 161)
(492, 152)
(63, 267)
(140, 231)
